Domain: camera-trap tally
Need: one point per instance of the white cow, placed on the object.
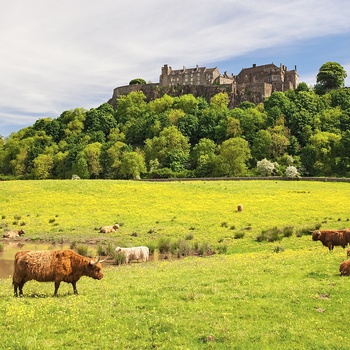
(134, 253)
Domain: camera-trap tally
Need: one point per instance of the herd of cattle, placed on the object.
(67, 266)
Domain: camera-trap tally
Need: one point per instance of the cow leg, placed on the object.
(57, 285)
(74, 284)
(15, 289)
(18, 286)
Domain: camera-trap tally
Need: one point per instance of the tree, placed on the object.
(137, 81)
(93, 154)
(234, 154)
(330, 76)
(204, 157)
(171, 148)
(42, 166)
(132, 165)
(265, 167)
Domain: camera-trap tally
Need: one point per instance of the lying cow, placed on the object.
(13, 234)
(332, 238)
(344, 268)
(135, 253)
(108, 229)
(53, 266)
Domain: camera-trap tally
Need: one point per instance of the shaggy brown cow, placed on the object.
(53, 266)
(239, 207)
(108, 229)
(13, 234)
(332, 238)
(344, 268)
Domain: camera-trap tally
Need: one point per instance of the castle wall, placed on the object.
(252, 84)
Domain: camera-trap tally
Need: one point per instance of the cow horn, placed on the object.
(103, 261)
(94, 263)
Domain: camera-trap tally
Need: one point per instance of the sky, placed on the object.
(66, 54)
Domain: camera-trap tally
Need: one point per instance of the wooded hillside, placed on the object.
(305, 132)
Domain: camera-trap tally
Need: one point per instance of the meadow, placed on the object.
(285, 294)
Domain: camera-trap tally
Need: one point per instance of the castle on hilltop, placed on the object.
(252, 84)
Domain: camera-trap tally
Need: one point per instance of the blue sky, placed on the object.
(59, 55)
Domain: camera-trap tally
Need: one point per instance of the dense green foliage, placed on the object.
(259, 295)
(189, 137)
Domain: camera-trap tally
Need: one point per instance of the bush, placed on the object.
(270, 235)
(222, 249)
(119, 258)
(292, 172)
(264, 167)
(189, 237)
(82, 250)
(287, 231)
(278, 249)
(307, 231)
(204, 248)
(181, 248)
(238, 235)
(164, 245)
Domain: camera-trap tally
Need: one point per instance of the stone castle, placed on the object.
(252, 84)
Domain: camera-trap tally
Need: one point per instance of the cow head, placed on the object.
(118, 249)
(316, 235)
(95, 269)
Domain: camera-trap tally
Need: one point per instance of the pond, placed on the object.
(10, 248)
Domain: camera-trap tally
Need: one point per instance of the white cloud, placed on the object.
(72, 53)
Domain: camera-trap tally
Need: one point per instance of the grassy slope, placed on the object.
(251, 298)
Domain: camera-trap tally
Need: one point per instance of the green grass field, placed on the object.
(253, 297)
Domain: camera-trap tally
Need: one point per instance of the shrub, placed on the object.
(264, 167)
(52, 220)
(204, 248)
(17, 217)
(287, 231)
(292, 172)
(119, 258)
(238, 235)
(181, 248)
(270, 235)
(278, 249)
(101, 251)
(22, 223)
(73, 245)
(82, 250)
(222, 249)
(307, 231)
(189, 237)
(164, 245)
(3, 217)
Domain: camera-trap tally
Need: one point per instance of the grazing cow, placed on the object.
(53, 266)
(108, 229)
(13, 234)
(240, 207)
(135, 253)
(344, 268)
(332, 238)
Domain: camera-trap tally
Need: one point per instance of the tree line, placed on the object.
(302, 132)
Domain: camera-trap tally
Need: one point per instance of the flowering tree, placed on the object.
(292, 172)
(265, 167)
